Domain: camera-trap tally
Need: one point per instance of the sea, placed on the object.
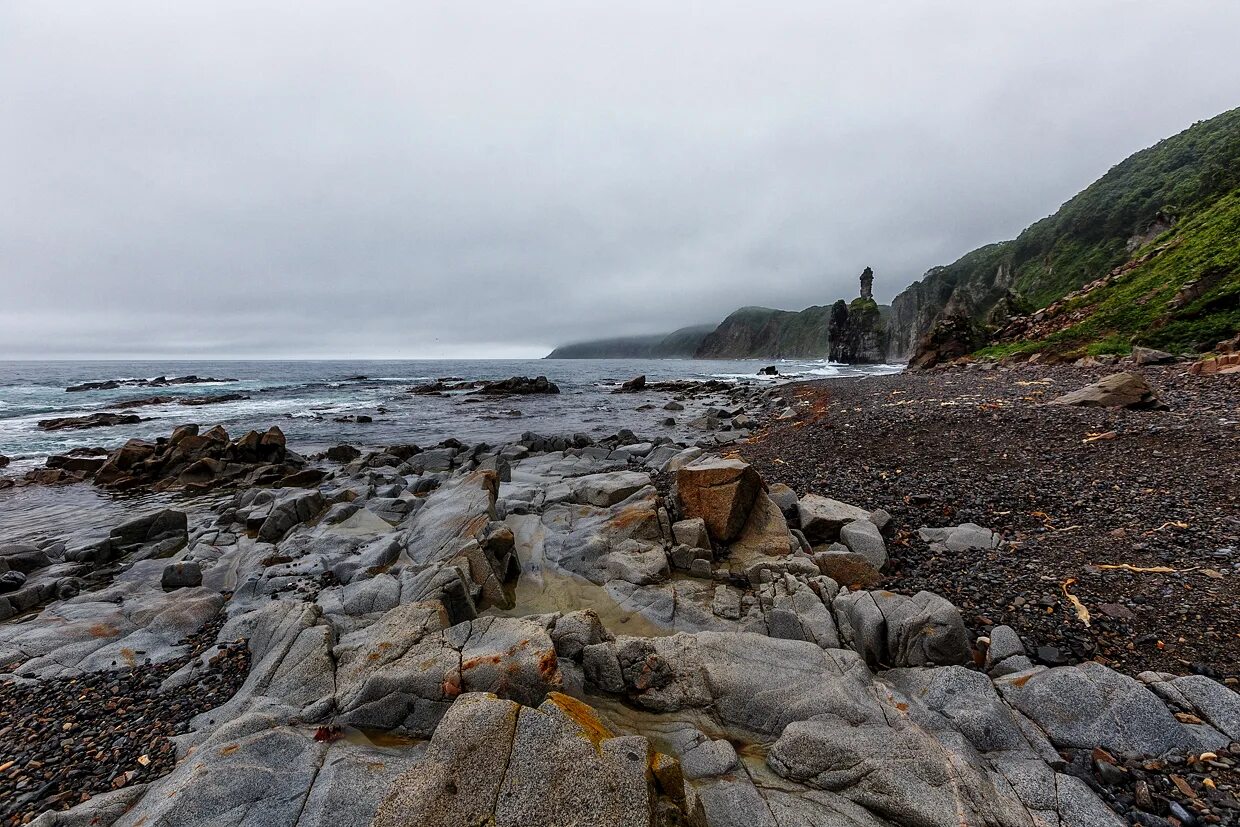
(307, 400)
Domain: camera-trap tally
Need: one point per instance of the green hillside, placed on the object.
(1184, 183)
(1185, 298)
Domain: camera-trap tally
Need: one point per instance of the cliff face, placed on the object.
(1092, 234)
(681, 344)
(854, 333)
(753, 332)
(858, 332)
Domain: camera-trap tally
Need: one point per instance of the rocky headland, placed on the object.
(876, 603)
(855, 332)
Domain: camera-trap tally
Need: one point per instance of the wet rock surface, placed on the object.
(95, 420)
(563, 631)
(157, 382)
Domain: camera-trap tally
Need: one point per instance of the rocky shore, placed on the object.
(634, 631)
(1093, 495)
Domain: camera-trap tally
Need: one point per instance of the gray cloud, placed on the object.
(446, 179)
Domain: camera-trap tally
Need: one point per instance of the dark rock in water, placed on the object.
(11, 581)
(53, 476)
(634, 385)
(769, 370)
(343, 453)
(1119, 390)
(196, 401)
(519, 385)
(94, 386)
(157, 382)
(3, 460)
(188, 401)
(95, 420)
(364, 419)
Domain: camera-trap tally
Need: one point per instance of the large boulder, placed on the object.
(889, 629)
(822, 517)
(721, 492)
(898, 772)
(295, 507)
(404, 671)
(23, 557)
(966, 537)
(765, 534)
(1150, 356)
(1119, 390)
(181, 575)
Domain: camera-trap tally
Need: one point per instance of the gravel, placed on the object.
(70, 738)
(1157, 489)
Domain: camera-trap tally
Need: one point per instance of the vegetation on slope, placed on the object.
(1184, 299)
(681, 343)
(761, 331)
(1088, 236)
(1173, 183)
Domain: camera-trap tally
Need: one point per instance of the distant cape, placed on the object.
(852, 333)
(680, 344)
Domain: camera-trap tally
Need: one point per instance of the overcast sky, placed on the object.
(405, 179)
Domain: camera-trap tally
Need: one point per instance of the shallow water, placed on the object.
(304, 397)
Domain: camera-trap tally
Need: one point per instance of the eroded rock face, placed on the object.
(719, 491)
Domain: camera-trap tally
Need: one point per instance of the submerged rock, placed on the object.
(95, 420)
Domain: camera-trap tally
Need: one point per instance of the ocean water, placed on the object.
(305, 397)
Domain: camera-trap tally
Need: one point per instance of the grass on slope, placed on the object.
(1086, 237)
(1134, 310)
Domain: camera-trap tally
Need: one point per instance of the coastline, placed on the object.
(709, 605)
